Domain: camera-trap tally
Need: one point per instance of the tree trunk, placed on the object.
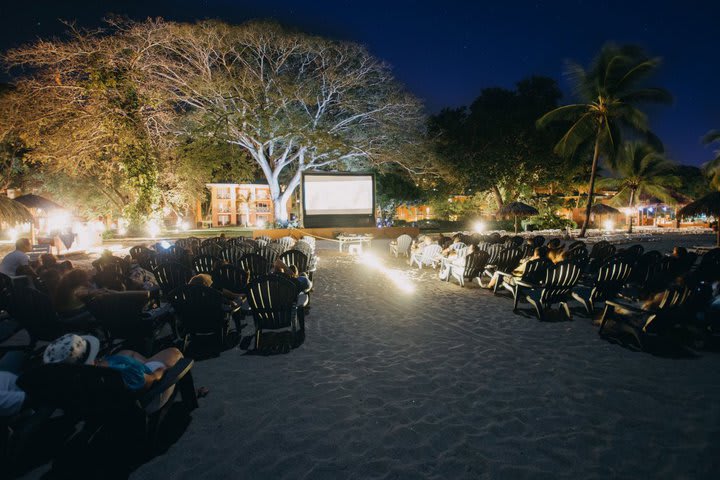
(498, 196)
(632, 202)
(591, 189)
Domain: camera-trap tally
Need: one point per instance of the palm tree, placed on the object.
(641, 169)
(609, 93)
(713, 166)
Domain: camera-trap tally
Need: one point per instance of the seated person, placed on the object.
(17, 258)
(138, 373)
(449, 250)
(12, 398)
(454, 262)
(539, 252)
(73, 290)
(301, 281)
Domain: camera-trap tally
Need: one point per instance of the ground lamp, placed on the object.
(708, 205)
(517, 209)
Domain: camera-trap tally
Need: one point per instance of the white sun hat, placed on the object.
(71, 348)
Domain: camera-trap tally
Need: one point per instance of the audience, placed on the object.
(17, 258)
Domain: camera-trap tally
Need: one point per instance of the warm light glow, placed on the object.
(260, 223)
(14, 234)
(58, 220)
(165, 244)
(609, 225)
(398, 277)
(479, 227)
(153, 228)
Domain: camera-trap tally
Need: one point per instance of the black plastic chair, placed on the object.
(98, 396)
(273, 302)
(532, 277)
(233, 253)
(506, 260)
(108, 263)
(138, 250)
(211, 249)
(255, 265)
(200, 311)
(230, 277)
(610, 280)
(205, 263)
(297, 258)
(556, 288)
(171, 275)
(475, 263)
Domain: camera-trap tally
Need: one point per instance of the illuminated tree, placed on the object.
(292, 101)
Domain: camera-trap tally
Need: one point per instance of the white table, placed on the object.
(353, 240)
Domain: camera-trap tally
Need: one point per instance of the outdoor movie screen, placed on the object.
(338, 194)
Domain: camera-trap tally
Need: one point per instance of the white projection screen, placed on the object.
(338, 199)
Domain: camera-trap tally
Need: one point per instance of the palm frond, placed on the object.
(568, 113)
(580, 132)
(711, 137)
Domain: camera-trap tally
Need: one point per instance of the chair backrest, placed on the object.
(560, 280)
(285, 242)
(204, 263)
(35, 312)
(213, 241)
(264, 238)
(212, 249)
(121, 313)
(515, 241)
(475, 263)
(429, 252)
(612, 276)
(601, 250)
(494, 250)
(232, 253)
(457, 246)
(576, 244)
(403, 243)
(538, 241)
(138, 250)
(508, 259)
(250, 242)
(305, 248)
(200, 308)
(709, 268)
(113, 264)
(86, 391)
(309, 239)
(184, 243)
(170, 275)
(295, 257)
(555, 244)
(230, 277)
(578, 255)
(272, 300)
(269, 252)
(256, 265)
(536, 270)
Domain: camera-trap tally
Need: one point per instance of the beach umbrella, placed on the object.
(13, 212)
(31, 200)
(602, 209)
(708, 205)
(517, 209)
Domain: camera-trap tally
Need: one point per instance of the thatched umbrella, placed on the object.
(708, 205)
(13, 212)
(31, 200)
(517, 209)
(602, 209)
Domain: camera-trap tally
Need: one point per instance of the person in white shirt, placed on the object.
(16, 258)
(12, 398)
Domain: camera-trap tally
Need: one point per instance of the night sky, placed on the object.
(447, 51)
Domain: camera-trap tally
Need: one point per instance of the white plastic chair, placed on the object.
(401, 245)
(427, 256)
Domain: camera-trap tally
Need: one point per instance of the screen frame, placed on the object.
(338, 220)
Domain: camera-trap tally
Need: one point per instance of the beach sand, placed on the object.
(444, 382)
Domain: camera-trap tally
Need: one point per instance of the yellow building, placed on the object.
(243, 204)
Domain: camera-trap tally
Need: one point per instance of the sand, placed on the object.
(444, 382)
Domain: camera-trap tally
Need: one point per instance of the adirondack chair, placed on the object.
(250, 242)
(538, 241)
(556, 288)
(427, 256)
(138, 250)
(576, 244)
(648, 327)
(213, 249)
(273, 302)
(506, 260)
(231, 254)
(295, 257)
(532, 277)
(230, 277)
(610, 280)
(269, 252)
(286, 242)
(98, 396)
(468, 267)
(113, 264)
(601, 251)
(204, 263)
(578, 255)
(305, 247)
(171, 275)
(515, 241)
(34, 311)
(213, 241)
(255, 265)
(200, 311)
(148, 260)
(709, 268)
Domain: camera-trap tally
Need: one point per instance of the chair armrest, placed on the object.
(503, 274)
(521, 283)
(626, 306)
(171, 377)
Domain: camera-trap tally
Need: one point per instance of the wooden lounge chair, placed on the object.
(171, 275)
(230, 277)
(401, 246)
(506, 260)
(295, 257)
(255, 265)
(610, 280)
(556, 288)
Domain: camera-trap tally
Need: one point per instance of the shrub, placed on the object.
(549, 221)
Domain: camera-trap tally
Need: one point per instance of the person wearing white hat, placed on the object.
(138, 373)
